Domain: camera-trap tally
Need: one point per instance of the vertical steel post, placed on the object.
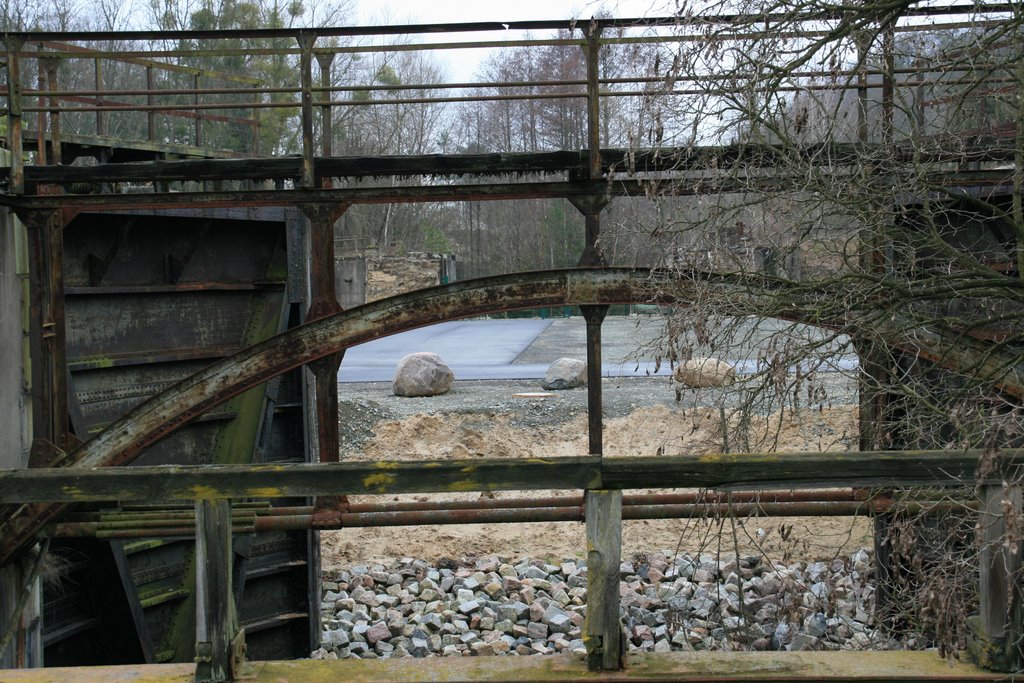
(888, 85)
(324, 302)
(256, 97)
(593, 99)
(198, 112)
(55, 130)
(220, 643)
(874, 371)
(46, 272)
(919, 115)
(325, 60)
(863, 45)
(602, 629)
(15, 144)
(101, 117)
(41, 115)
(150, 100)
(306, 41)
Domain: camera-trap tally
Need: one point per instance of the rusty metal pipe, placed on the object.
(329, 520)
(155, 517)
(692, 497)
(627, 500)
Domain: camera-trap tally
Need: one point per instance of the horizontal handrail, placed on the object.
(710, 470)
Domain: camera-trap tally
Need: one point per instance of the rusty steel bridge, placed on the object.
(192, 330)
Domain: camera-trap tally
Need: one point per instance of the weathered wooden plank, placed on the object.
(602, 630)
(796, 470)
(732, 470)
(83, 143)
(996, 633)
(688, 667)
(305, 479)
(218, 638)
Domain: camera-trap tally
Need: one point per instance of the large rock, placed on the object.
(699, 373)
(422, 374)
(565, 373)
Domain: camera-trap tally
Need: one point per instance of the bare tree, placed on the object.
(855, 206)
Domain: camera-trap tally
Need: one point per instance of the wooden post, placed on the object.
(220, 643)
(16, 184)
(996, 633)
(602, 630)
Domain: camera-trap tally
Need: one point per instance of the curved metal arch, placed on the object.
(166, 412)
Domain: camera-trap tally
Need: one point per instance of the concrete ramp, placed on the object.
(473, 349)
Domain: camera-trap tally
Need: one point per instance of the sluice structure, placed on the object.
(171, 338)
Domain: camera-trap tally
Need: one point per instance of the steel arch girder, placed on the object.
(164, 413)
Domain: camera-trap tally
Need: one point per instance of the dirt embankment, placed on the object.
(510, 432)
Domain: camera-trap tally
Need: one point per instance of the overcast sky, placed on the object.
(462, 64)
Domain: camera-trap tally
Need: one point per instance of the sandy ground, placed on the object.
(491, 424)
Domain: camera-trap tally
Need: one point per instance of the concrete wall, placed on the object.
(15, 404)
(25, 649)
(368, 278)
(350, 282)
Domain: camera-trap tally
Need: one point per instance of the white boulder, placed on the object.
(422, 374)
(565, 373)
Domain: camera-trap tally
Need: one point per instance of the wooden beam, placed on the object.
(713, 470)
(797, 470)
(220, 644)
(995, 634)
(685, 667)
(282, 481)
(602, 630)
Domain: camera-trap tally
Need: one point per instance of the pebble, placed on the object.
(523, 606)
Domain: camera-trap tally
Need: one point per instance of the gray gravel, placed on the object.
(500, 606)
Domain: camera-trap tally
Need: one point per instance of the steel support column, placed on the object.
(322, 304)
(324, 61)
(306, 41)
(46, 273)
(56, 152)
